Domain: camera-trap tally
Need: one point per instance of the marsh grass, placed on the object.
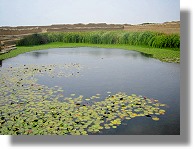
(149, 39)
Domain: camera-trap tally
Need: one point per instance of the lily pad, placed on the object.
(34, 109)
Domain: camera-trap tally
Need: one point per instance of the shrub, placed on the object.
(35, 39)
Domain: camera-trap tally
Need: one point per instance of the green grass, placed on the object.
(149, 39)
(166, 55)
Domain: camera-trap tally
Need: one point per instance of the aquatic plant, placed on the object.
(29, 108)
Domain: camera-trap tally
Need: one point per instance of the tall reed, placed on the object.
(149, 39)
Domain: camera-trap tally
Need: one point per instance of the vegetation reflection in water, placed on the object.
(27, 107)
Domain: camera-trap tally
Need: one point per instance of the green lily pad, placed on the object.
(37, 109)
(87, 99)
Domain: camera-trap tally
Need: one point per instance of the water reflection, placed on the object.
(1, 63)
(146, 55)
(101, 52)
(38, 54)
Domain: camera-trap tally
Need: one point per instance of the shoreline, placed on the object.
(162, 54)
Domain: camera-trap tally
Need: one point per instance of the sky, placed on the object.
(47, 12)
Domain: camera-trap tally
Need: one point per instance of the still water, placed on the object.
(115, 70)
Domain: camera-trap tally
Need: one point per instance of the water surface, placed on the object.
(115, 70)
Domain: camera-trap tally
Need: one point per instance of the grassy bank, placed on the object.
(166, 55)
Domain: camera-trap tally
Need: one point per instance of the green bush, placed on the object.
(35, 39)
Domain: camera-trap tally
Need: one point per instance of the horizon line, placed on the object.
(92, 23)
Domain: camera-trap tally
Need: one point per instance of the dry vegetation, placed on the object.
(167, 27)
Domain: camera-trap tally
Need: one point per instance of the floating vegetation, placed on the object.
(72, 94)
(87, 99)
(28, 108)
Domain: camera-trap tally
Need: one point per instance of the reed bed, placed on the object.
(149, 39)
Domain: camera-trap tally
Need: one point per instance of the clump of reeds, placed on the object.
(149, 39)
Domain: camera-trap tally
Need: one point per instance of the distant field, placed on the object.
(168, 28)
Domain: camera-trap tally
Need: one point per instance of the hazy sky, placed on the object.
(47, 12)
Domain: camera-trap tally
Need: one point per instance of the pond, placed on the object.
(89, 91)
